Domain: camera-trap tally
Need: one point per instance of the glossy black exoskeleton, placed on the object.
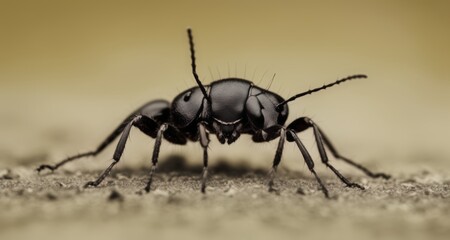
(227, 108)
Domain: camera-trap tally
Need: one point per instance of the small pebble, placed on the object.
(231, 191)
(160, 193)
(121, 177)
(7, 174)
(62, 185)
(274, 190)
(407, 185)
(364, 181)
(51, 196)
(300, 191)
(115, 196)
(4, 172)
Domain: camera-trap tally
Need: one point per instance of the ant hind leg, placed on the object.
(337, 155)
(117, 153)
(99, 149)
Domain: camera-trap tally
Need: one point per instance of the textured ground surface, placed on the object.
(237, 206)
(71, 71)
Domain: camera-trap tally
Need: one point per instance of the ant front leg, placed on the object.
(204, 141)
(277, 159)
(292, 136)
(117, 154)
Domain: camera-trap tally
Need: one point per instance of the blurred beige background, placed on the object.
(70, 71)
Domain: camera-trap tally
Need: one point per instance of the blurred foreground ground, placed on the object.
(237, 206)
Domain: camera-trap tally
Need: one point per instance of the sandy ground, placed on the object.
(237, 205)
(70, 71)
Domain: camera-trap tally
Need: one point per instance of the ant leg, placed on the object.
(117, 154)
(337, 155)
(204, 141)
(155, 155)
(304, 123)
(277, 159)
(308, 160)
(69, 159)
(323, 155)
(100, 148)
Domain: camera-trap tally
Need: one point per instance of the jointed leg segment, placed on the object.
(324, 157)
(277, 159)
(359, 166)
(204, 141)
(304, 123)
(155, 155)
(309, 161)
(117, 153)
(99, 149)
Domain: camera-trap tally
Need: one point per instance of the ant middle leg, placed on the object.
(155, 156)
(277, 159)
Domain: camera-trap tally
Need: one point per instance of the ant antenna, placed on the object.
(278, 107)
(194, 67)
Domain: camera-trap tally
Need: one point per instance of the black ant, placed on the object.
(227, 108)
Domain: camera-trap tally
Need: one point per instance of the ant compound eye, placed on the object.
(187, 96)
